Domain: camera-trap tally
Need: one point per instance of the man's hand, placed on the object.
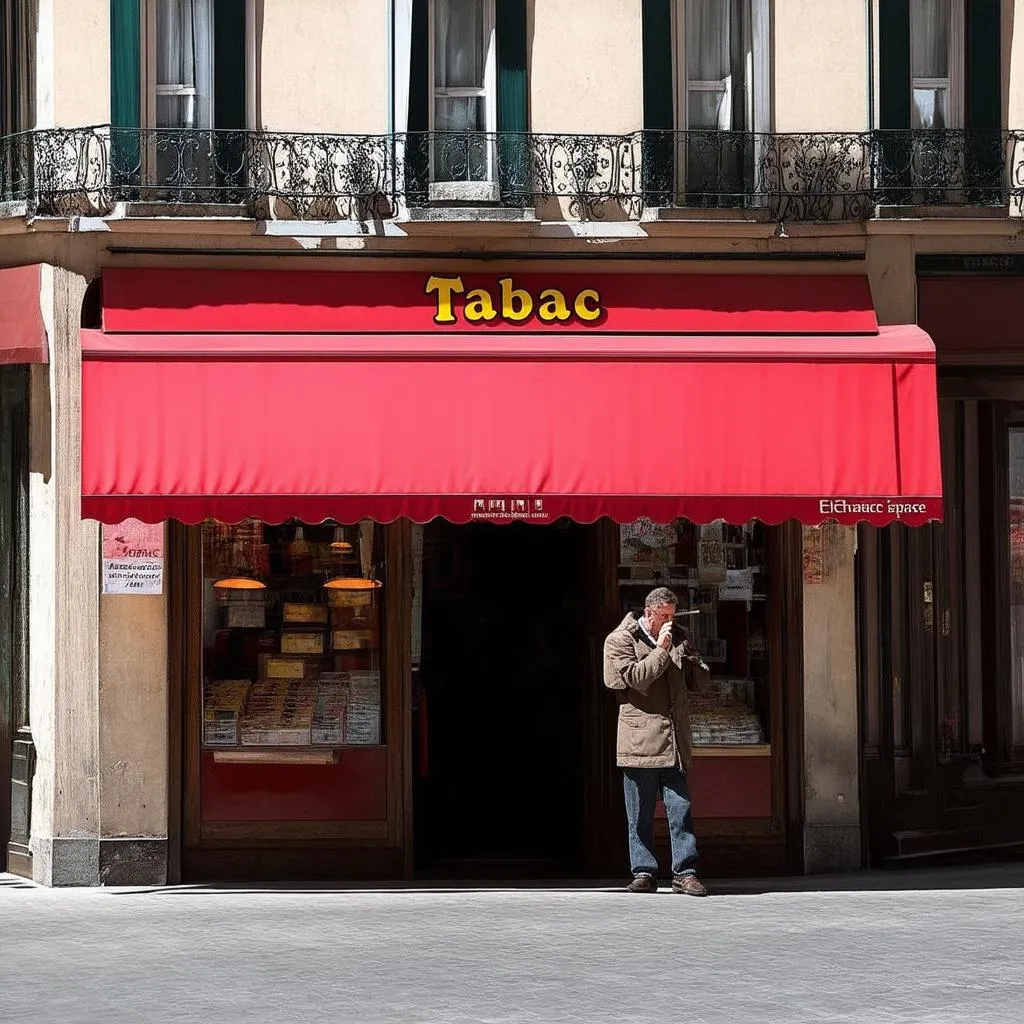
(665, 637)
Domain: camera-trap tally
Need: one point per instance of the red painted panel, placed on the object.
(268, 301)
(353, 789)
(22, 334)
(972, 315)
(730, 787)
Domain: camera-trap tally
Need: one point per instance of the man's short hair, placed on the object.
(659, 596)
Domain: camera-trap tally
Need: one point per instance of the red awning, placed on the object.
(22, 334)
(500, 426)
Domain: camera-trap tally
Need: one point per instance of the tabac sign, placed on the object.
(510, 304)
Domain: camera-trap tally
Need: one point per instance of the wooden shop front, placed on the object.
(405, 509)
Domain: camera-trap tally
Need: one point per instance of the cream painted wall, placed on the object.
(586, 70)
(892, 273)
(821, 67)
(133, 716)
(73, 63)
(323, 66)
(831, 747)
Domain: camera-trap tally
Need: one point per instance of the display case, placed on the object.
(719, 574)
(292, 652)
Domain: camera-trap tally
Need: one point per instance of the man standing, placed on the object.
(653, 746)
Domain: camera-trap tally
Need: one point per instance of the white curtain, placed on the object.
(929, 63)
(184, 63)
(460, 63)
(708, 29)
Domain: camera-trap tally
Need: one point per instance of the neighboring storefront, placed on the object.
(943, 608)
(22, 344)
(404, 509)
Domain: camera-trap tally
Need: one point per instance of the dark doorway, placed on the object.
(499, 787)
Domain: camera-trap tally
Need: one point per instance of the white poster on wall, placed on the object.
(133, 558)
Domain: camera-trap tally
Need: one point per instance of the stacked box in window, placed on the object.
(330, 716)
(364, 708)
(287, 666)
(223, 702)
(279, 712)
(306, 642)
(296, 613)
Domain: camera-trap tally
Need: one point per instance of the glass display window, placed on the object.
(292, 647)
(719, 573)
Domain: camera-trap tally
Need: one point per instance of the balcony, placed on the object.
(65, 172)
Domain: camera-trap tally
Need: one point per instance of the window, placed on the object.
(722, 95)
(936, 63)
(464, 103)
(182, 87)
(1015, 521)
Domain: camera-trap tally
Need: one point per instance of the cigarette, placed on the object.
(679, 615)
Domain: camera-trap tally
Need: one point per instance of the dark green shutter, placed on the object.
(894, 63)
(983, 102)
(894, 148)
(513, 102)
(513, 98)
(229, 64)
(229, 113)
(417, 143)
(125, 90)
(984, 65)
(659, 105)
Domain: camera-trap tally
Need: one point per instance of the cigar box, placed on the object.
(245, 615)
(350, 598)
(223, 702)
(302, 642)
(353, 639)
(279, 712)
(292, 612)
(353, 661)
(285, 666)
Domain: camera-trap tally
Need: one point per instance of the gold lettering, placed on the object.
(516, 304)
(445, 287)
(585, 312)
(553, 306)
(479, 306)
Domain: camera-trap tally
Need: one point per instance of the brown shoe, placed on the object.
(643, 883)
(688, 885)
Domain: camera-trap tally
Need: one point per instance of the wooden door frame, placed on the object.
(184, 623)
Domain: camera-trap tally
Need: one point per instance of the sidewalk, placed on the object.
(937, 946)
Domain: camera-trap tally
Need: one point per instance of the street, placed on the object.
(938, 946)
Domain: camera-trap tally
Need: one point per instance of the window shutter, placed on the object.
(659, 109)
(125, 70)
(984, 66)
(125, 91)
(513, 101)
(417, 148)
(658, 173)
(894, 63)
(983, 103)
(513, 98)
(229, 64)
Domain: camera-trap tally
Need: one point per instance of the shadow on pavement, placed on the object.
(989, 876)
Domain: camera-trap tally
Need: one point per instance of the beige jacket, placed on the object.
(654, 721)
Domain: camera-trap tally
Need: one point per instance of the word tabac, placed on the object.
(509, 303)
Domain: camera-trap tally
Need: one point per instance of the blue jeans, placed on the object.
(642, 786)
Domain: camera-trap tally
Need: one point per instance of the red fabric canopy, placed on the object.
(22, 332)
(500, 426)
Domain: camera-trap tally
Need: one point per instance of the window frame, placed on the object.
(489, 92)
(955, 64)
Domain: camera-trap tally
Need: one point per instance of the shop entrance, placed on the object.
(501, 702)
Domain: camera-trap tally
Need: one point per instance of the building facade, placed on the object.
(307, 269)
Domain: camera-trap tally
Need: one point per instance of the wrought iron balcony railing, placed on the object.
(798, 177)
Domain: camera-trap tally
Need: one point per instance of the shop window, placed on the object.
(718, 572)
(292, 620)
